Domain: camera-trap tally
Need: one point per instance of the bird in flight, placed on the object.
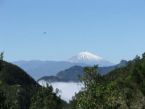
(45, 32)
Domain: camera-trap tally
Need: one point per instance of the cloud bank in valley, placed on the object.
(66, 89)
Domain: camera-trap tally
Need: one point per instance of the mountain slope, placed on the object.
(20, 89)
(123, 88)
(38, 69)
(11, 75)
(17, 85)
(89, 59)
(74, 73)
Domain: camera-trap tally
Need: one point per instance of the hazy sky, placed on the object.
(58, 29)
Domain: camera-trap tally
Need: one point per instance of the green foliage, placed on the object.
(3, 104)
(45, 99)
(22, 92)
(17, 85)
(123, 88)
(91, 76)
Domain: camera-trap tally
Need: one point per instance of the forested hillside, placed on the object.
(123, 88)
(19, 91)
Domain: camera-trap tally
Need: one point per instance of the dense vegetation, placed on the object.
(19, 91)
(123, 88)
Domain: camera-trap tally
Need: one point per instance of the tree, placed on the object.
(1, 59)
(91, 76)
(89, 97)
(1, 56)
(45, 99)
(143, 55)
(122, 88)
(3, 104)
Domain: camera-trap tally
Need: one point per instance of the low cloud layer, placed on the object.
(67, 89)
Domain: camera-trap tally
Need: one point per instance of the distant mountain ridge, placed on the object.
(74, 73)
(38, 69)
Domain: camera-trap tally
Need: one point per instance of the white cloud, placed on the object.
(67, 89)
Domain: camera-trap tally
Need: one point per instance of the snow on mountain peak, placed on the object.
(88, 56)
(85, 57)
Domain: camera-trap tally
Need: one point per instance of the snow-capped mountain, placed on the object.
(38, 69)
(88, 58)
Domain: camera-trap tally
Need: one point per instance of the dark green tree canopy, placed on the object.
(123, 88)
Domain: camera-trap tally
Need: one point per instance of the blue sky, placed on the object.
(114, 29)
